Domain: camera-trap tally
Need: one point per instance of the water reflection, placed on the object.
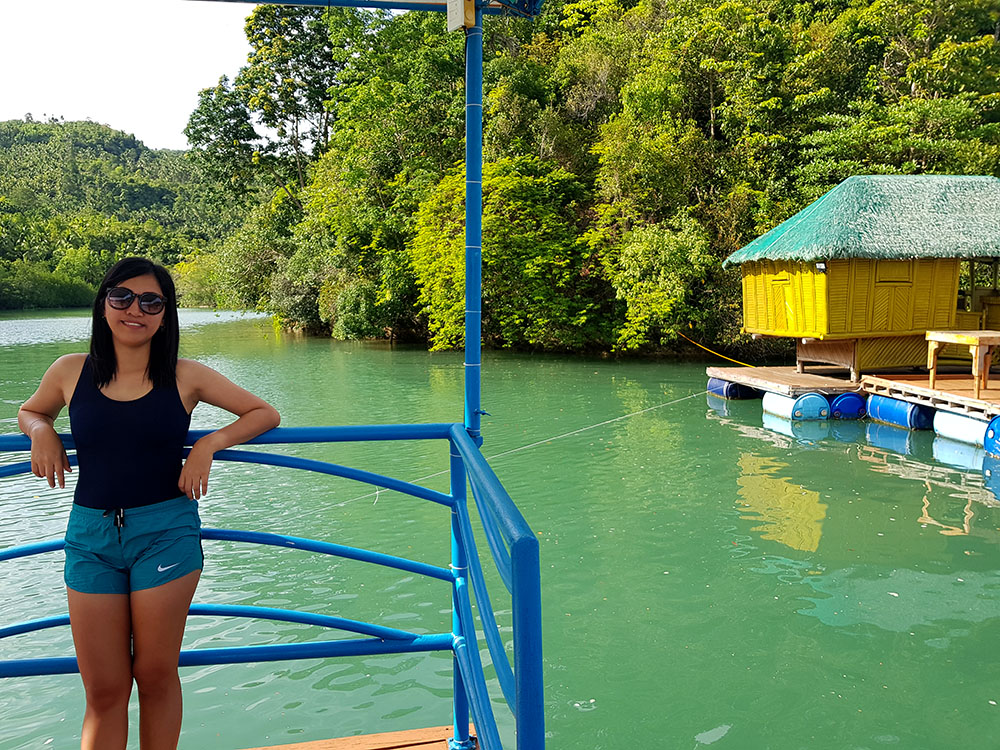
(951, 481)
(50, 326)
(959, 455)
(848, 430)
(791, 514)
(719, 405)
(948, 529)
(808, 432)
(889, 437)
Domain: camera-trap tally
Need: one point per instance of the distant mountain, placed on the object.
(76, 196)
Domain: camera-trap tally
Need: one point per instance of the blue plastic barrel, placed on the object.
(725, 389)
(806, 407)
(889, 437)
(959, 427)
(847, 406)
(900, 413)
(991, 440)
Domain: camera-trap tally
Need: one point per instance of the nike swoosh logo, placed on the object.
(160, 568)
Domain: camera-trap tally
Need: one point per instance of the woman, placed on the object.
(133, 545)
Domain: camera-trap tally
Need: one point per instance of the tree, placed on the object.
(660, 272)
(541, 286)
(286, 83)
(223, 140)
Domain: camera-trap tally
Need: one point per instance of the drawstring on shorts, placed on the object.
(119, 520)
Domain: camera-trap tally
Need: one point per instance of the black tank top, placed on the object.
(129, 452)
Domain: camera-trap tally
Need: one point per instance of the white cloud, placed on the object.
(136, 65)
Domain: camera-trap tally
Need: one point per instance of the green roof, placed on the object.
(889, 216)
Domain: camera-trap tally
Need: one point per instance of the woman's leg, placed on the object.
(101, 627)
(158, 618)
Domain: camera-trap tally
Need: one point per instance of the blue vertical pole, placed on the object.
(473, 225)
(529, 711)
(460, 564)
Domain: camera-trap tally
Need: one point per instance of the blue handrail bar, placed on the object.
(498, 654)
(330, 548)
(514, 550)
(526, 596)
(287, 435)
(243, 610)
(322, 467)
(494, 539)
(247, 654)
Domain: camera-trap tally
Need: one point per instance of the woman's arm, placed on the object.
(36, 415)
(255, 416)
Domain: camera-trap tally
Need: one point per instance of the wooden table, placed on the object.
(980, 345)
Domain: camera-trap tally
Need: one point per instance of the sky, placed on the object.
(135, 65)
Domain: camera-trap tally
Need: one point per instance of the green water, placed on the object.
(706, 580)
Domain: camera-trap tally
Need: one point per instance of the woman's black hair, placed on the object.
(162, 370)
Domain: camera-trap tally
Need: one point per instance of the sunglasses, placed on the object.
(121, 298)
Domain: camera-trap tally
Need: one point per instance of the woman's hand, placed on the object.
(198, 383)
(37, 414)
(48, 456)
(193, 481)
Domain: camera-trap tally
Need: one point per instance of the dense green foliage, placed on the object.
(538, 285)
(76, 196)
(631, 146)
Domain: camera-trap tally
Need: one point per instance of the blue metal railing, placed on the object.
(513, 548)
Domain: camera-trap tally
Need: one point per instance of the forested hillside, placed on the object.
(75, 196)
(630, 148)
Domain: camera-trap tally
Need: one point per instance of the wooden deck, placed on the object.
(435, 738)
(954, 392)
(785, 380)
(951, 392)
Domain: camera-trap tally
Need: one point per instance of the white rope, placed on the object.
(540, 442)
(591, 427)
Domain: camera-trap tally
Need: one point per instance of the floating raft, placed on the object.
(951, 408)
(784, 380)
(435, 738)
(954, 393)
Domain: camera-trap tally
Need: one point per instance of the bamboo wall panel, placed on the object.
(814, 295)
(838, 284)
(946, 273)
(860, 296)
(783, 298)
(924, 303)
(852, 298)
(891, 351)
(901, 311)
(879, 319)
(766, 321)
(781, 312)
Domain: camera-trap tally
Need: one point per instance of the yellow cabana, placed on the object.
(860, 275)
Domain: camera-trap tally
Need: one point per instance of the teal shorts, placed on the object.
(117, 552)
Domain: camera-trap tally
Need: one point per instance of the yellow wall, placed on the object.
(853, 299)
(784, 298)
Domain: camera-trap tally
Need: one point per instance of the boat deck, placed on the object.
(434, 738)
